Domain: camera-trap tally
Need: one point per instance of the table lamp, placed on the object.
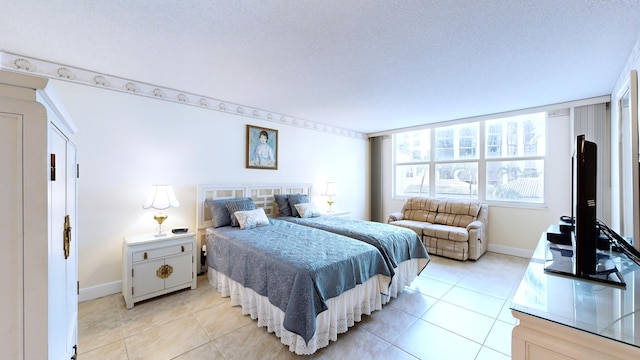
(330, 191)
(161, 197)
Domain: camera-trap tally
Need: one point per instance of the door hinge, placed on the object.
(131, 272)
(78, 287)
(53, 167)
(132, 291)
(75, 352)
(77, 171)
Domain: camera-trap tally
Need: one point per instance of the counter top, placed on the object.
(605, 310)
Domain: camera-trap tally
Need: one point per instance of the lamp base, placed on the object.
(160, 218)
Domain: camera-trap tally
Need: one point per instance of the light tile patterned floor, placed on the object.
(453, 310)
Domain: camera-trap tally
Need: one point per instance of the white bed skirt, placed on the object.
(344, 310)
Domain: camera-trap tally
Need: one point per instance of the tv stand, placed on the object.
(563, 263)
(563, 317)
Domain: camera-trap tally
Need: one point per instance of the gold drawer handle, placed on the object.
(182, 247)
(164, 271)
(145, 255)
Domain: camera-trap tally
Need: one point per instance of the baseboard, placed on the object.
(99, 291)
(507, 250)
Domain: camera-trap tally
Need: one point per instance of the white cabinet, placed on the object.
(39, 303)
(156, 265)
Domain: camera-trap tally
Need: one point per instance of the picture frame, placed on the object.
(262, 154)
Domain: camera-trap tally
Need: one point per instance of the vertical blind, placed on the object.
(594, 123)
(375, 150)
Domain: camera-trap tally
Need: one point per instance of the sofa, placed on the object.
(448, 227)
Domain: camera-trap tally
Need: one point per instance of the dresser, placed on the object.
(156, 265)
(561, 317)
(38, 261)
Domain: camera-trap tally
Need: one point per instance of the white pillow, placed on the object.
(250, 219)
(307, 210)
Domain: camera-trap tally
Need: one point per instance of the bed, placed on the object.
(398, 246)
(324, 313)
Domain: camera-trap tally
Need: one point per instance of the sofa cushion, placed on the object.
(453, 233)
(457, 212)
(421, 209)
(417, 226)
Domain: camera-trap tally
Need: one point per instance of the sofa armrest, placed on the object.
(474, 225)
(395, 217)
(478, 243)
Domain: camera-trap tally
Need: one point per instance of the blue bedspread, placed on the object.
(396, 244)
(298, 268)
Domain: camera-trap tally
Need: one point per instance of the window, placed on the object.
(459, 180)
(517, 175)
(521, 181)
(512, 160)
(456, 142)
(444, 144)
(412, 153)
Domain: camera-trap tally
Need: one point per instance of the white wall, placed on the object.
(127, 143)
(516, 231)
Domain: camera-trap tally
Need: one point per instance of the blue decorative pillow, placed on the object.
(239, 205)
(283, 205)
(297, 199)
(219, 212)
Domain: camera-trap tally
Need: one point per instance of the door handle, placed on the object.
(67, 236)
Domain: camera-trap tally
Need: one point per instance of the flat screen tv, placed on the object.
(586, 232)
(584, 261)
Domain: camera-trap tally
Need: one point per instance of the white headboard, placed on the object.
(262, 195)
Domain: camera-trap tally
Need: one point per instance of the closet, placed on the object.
(38, 220)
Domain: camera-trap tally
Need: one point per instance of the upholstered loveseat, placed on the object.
(448, 227)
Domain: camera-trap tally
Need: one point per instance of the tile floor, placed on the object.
(453, 310)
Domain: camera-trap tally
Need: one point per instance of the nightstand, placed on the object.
(338, 213)
(155, 265)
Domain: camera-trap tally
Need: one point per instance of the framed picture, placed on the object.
(262, 148)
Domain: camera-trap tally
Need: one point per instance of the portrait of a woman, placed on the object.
(262, 148)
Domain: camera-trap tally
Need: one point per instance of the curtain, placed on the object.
(375, 151)
(593, 121)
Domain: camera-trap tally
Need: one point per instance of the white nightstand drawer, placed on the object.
(162, 252)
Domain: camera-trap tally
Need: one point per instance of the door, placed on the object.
(182, 270)
(63, 299)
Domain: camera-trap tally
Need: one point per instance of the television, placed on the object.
(583, 260)
(586, 227)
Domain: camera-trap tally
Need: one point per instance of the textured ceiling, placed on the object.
(366, 66)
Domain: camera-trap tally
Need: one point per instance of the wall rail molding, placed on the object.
(44, 68)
